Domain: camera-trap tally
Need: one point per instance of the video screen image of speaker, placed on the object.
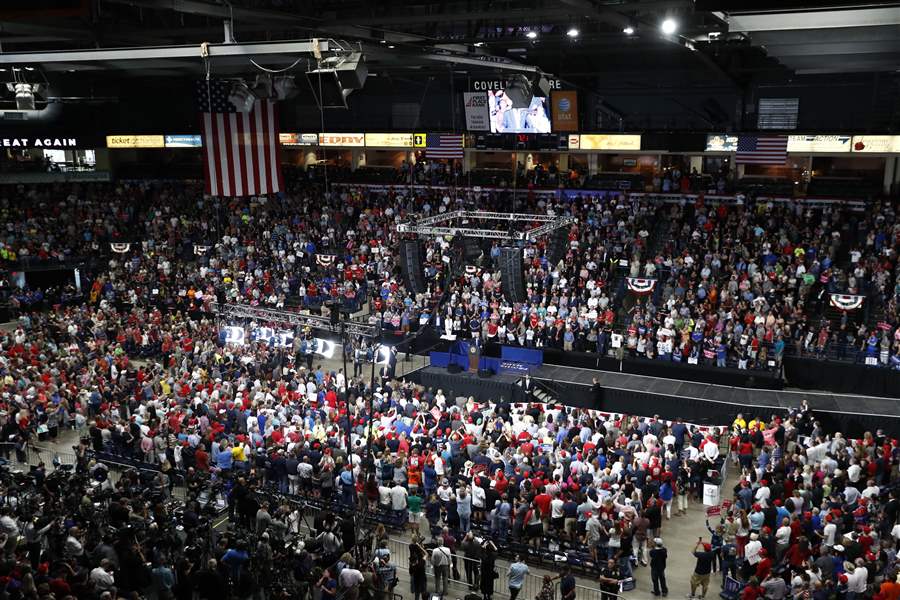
(512, 274)
(411, 266)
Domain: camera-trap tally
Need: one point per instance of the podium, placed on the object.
(474, 358)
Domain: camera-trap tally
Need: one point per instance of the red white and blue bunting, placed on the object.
(640, 286)
(846, 302)
(325, 260)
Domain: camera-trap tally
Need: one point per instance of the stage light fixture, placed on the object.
(573, 32)
(285, 88)
(628, 30)
(669, 26)
(519, 91)
(384, 355)
(241, 96)
(531, 35)
(24, 94)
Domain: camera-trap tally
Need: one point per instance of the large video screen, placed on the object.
(506, 119)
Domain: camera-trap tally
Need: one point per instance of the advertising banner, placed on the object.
(498, 84)
(182, 141)
(564, 106)
(389, 140)
(884, 144)
(477, 116)
(135, 141)
(298, 139)
(604, 141)
(818, 143)
(346, 140)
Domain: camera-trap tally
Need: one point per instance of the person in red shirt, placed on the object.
(763, 567)
(752, 590)
(201, 459)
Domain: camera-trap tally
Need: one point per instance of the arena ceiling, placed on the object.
(715, 38)
(720, 47)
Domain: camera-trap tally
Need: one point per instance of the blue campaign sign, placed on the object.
(182, 141)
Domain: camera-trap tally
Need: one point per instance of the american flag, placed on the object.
(444, 146)
(240, 149)
(761, 150)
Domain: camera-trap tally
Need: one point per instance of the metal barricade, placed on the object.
(530, 588)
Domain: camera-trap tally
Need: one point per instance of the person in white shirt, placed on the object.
(479, 497)
(783, 537)
(384, 496)
(398, 500)
(762, 494)
(350, 579)
(853, 472)
(751, 550)
(829, 532)
(857, 577)
(440, 560)
(102, 577)
(871, 490)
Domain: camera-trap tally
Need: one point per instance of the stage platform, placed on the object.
(702, 403)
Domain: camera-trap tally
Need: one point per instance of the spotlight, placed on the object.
(24, 94)
(385, 353)
(531, 35)
(519, 91)
(669, 26)
(628, 30)
(241, 97)
(285, 88)
(478, 44)
(572, 33)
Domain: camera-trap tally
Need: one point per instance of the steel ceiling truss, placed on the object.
(294, 319)
(442, 225)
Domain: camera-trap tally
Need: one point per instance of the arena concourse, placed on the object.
(449, 301)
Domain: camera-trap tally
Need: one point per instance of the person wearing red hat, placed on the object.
(705, 555)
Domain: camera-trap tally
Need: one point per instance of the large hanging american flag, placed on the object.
(444, 146)
(240, 149)
(761, 150)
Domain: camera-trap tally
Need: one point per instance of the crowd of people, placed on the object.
(813, 514)
(736, 286)
(299, 454)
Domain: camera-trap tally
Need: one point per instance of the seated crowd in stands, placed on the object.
(736, 285)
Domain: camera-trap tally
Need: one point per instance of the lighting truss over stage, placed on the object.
(443, 224)
(284, 317)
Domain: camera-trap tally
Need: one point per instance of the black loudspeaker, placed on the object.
(557, 245)
(485, 373)
(471, 249)
(512, 275)
(454, 368)
(335, 313)
(411, 265)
